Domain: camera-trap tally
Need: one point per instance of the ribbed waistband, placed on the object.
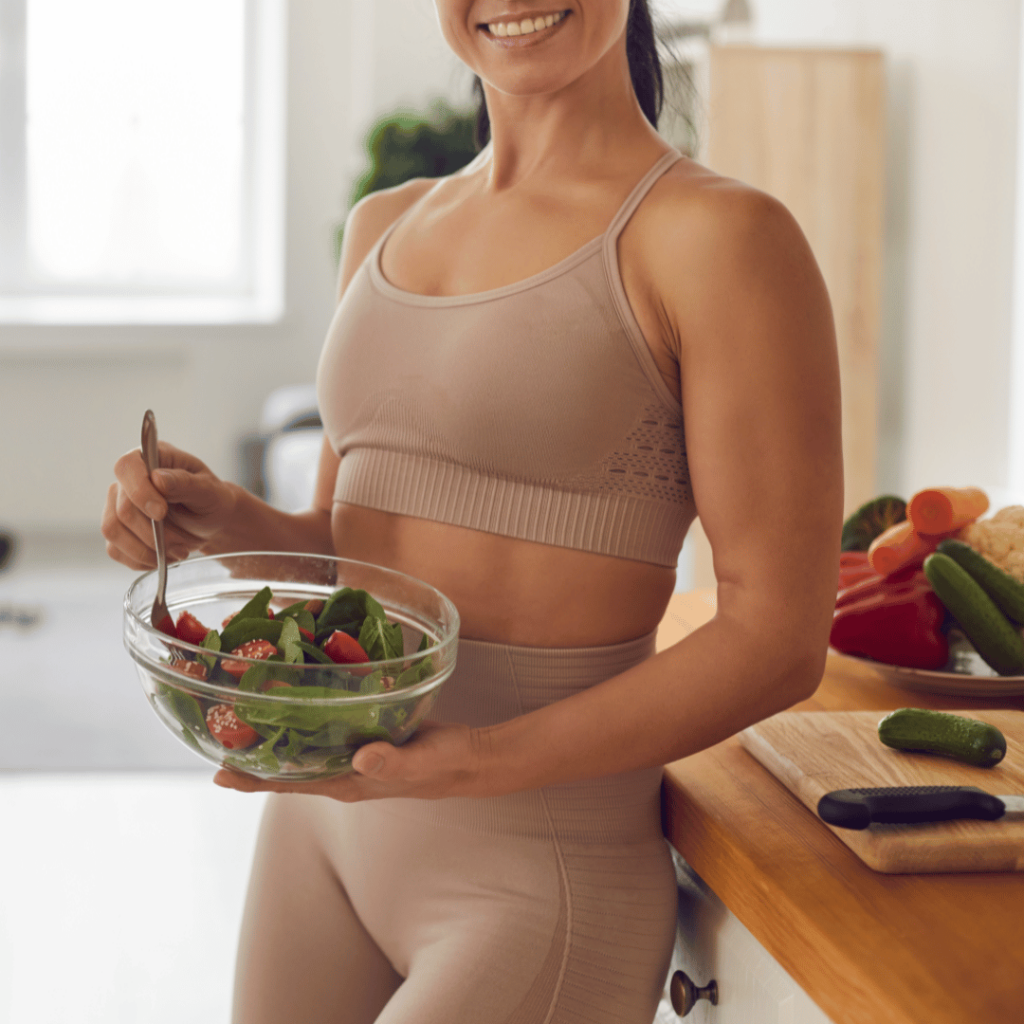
(495, 682)
(608, 523)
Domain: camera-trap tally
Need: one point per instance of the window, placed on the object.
(141, 160)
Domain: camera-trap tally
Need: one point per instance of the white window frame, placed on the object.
(256, 296)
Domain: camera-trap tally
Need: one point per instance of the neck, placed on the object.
(587, 128)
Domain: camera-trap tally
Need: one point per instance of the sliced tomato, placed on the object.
(166, 625)
(259, 649)
(190, 629)
(228, 729)
(306, 635)
(195, 669)
(343, 650)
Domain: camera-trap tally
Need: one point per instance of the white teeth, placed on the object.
(526, 26)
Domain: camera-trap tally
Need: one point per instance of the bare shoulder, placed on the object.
(715, 248)
(690, 200)
(370, 218)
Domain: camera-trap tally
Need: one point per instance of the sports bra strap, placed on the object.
(635, 198)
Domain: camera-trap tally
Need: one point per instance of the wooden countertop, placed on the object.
(866, 947)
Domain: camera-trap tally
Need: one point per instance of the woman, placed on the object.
(503, 388)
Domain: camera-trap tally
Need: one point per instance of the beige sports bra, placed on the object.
(534, 410)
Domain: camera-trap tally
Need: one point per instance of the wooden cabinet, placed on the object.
(808, 127)
(711, 942)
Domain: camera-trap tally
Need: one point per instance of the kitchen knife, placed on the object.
(907, 805)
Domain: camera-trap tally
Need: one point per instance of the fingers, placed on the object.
(180, 493)
(133, 477)
(339, 788)
(195, 495)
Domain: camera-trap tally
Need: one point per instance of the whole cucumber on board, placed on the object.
(1004, 590)
(989, 630)
(918, 730)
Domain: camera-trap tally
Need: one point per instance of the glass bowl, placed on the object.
(313, 732)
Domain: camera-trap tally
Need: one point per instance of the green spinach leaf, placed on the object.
(289, 642)
(241, 630)
(381, 639)
(211, 642)
(415, 673)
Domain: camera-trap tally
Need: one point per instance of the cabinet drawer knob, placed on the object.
(685, 994)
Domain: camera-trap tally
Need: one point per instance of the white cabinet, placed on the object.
(753, 988)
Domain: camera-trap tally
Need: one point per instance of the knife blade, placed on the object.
(907, 805)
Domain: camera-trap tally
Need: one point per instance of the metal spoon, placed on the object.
(160, 616)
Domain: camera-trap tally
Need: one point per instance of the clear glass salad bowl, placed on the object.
(291, 716)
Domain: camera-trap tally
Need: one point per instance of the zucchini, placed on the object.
(937, 732)
(871, 520)
(989, 630)
(1004, 590)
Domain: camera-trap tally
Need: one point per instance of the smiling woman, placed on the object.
(541, 368)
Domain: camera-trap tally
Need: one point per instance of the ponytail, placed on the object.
(644, 70)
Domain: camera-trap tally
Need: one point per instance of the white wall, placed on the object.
(72, 398)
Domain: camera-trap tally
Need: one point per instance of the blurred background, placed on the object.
(173, 181)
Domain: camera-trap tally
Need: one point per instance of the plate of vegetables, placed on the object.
(282, 665)
(931, 595)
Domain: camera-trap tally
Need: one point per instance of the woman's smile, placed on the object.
(523, 30)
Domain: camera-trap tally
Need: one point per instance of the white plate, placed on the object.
(965, 675)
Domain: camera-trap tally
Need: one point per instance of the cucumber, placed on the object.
(1004, 590)
(989, 630)
(938, 732)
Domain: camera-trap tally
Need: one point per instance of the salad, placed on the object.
(299, 726)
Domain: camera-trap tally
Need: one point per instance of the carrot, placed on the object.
(900, 545)
(944, 509)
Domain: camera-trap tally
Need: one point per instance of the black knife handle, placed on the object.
(858, 808)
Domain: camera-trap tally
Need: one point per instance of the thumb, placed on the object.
(196, 492)
(171, 482)
(377, 760)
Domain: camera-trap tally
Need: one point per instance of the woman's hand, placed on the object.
(194, 504)
(439, 761)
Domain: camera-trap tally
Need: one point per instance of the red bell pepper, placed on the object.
(853, 566)
(901, 581)
(899, 626)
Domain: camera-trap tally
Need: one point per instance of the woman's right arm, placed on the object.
(213, 516)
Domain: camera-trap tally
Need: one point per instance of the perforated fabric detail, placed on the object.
(651, 462)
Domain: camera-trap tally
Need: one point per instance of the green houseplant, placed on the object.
(404, 145)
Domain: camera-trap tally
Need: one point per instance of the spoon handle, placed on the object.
(151, 457)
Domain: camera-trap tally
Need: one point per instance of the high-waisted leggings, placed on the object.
(552, 906)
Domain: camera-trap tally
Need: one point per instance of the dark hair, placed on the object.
(644, 69)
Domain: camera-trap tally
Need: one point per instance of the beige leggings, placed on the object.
(556, 906)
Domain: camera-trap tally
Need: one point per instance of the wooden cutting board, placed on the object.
(813, 753)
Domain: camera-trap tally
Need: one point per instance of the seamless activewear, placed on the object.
(534, 411)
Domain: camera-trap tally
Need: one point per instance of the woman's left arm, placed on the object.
(746, 306)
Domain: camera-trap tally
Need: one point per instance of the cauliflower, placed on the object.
(1000, 539)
